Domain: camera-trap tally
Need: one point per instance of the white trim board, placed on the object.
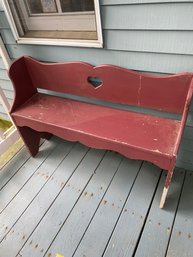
(17, 32)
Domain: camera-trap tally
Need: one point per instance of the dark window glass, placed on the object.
(77, 5)
(34, 6)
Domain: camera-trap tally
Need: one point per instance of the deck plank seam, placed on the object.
(75, 202)
(11, 160)
(17, 170)
(15, 156)
(46, 157)
(36, 192)
(176, 211)
(147, 213)
(122, 208)
(102, 198)
(56, 195)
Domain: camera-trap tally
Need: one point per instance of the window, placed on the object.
(57, 22)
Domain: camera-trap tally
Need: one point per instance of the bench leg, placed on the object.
(166, 187)
(31, 139)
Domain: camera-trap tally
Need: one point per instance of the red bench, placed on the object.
(133, 134)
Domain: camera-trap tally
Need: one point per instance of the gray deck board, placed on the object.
(100, 228)
(67, 241)
(14, 165)
(11, 189)
(62, 206)
(159, 222)
(27, 193)
(57, 181)
(134, 213)
(181, 243)
(82, 202)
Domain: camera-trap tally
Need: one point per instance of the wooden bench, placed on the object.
(132, 134)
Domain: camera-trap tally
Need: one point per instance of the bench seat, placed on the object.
(102, 127)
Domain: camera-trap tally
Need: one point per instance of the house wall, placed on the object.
(7, 88)
(145, 35)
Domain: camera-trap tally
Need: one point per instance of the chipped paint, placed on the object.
(134, 135)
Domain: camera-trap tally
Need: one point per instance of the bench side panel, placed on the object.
(119, 85)
(23, 87)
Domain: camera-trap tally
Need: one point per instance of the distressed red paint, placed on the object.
(135, 135)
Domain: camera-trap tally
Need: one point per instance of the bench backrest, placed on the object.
(119, 85)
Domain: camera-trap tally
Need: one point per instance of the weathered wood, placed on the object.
(147, 137)
(156, 233)
(107, 213)
(33, 180)
(20, 232)
(31, 138)
(45, 114)
(13, 167)
(178, 41)
(22, 175)
(130, 224)
(92, 197)
(133, 88)
(92, 228)
(63, 205)
(180, 243)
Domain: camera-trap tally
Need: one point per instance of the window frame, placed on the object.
(17, 31)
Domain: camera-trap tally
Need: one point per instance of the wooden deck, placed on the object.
(84, 202)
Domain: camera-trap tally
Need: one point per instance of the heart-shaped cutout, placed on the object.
(95, 82)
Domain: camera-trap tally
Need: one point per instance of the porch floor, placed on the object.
(75, 201)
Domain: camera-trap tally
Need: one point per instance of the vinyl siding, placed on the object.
(7, 89)
(145, 35)
(127, 2)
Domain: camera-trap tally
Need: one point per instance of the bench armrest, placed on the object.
(23, 87)
(184, 117)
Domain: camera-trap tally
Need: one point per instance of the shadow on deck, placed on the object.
(84, 202)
